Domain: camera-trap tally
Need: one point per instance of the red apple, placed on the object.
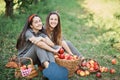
(66, 55)
(87, 64)
(106, 69)
(69, 57)
(96, 67)
(87, 72)
(75, 57)
(98, 74)
(102, 68)
(61, 51)
(82, 73)
(78, 71)
(23, 67)
(83, 64)
(112, 71)
(62, 56)
(114, 61)
(91, 69)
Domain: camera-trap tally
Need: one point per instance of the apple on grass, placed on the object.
(114, 61)
(112, 71)
(78, 71)
(87, 72)
(106, 69)
(102, 68)
(98, 74)
(82, 73)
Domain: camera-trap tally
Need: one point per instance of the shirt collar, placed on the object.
(34, 32)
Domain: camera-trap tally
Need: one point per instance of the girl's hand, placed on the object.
(71, 54)
(32, 39)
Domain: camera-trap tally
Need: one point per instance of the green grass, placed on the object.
(85, 38)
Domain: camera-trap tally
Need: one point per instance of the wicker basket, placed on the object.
(69, 64)
(30, 72)
(95, 65)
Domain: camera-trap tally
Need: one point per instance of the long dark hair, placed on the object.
(57, 36)
(21, 38)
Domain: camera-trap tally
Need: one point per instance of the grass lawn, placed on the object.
(85, 38)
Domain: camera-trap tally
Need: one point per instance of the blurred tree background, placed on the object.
(99, 13)
(106, 17)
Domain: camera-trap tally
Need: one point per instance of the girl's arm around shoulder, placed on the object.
(30, 36)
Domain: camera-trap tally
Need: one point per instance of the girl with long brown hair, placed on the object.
(54, 32)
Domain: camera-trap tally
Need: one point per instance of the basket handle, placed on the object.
(26, 58)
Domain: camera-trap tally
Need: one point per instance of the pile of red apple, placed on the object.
(63, 55)
(88, 66)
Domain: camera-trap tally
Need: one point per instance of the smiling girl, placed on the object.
(54, 32)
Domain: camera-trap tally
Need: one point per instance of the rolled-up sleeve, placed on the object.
(28, 35)
(43, 35)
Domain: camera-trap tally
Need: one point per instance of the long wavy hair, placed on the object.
(56, 33)
(21, 39)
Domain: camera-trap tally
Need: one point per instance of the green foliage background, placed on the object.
(92, 33)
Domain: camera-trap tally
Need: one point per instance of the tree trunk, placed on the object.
(9, 8)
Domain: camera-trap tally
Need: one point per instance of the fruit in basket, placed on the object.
(69, 57)
(91, 61)
(66, 56)
(23, 67)
(96, 67)
(83, 64)
(114, 61)
(91, 69)
(89, 64)
(61, 51)
(87, 72)
(75, 57)
(62, 56)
